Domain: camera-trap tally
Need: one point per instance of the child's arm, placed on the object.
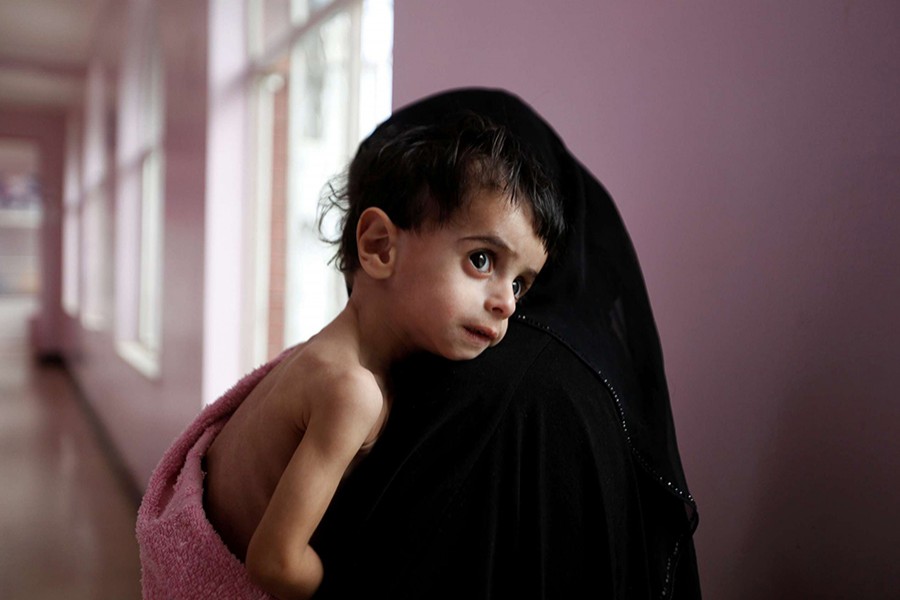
(341, 417)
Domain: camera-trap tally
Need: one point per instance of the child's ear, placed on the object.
(376, 243)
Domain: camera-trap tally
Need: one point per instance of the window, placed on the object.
(95, 214)
(71, 219)
(151, 217)
(323, 83)
(140, 171)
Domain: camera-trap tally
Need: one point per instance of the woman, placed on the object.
(546, 468)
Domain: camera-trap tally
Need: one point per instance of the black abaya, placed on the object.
(547, 467)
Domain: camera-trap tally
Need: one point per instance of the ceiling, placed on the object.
(44, 50)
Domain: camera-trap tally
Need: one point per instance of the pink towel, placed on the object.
(182, 556)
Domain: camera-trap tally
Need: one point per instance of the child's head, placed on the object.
(448, 225)
(421, 177)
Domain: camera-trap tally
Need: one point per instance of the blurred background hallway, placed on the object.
(66, 518)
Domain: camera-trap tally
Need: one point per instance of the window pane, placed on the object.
(376, 68)
(151, 211)
(273, 20)
(150, 301)
(319, 123)
(71, 222)
(314, 104)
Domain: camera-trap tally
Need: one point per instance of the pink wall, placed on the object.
(144, 415)
(47, 130)
(753, 149)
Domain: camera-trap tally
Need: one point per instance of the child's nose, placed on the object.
(502, 301)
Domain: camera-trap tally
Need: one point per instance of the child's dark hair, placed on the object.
(423, 175)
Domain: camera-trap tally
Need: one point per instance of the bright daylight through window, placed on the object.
(324, 83)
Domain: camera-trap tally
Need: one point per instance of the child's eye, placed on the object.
(481, 260)
(518, 288)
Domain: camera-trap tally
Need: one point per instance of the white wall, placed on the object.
(753, 149)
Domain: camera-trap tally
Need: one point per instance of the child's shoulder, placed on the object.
(330, 374)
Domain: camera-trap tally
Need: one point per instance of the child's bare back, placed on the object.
(273, 468)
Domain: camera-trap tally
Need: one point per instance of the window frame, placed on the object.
(270, 59)
(140, 199)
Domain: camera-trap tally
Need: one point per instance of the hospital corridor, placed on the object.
(66, 517)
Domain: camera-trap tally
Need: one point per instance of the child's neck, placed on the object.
(376, 343)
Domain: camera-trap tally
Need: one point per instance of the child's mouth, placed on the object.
(484, 335)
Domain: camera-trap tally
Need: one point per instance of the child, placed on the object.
(444, 230)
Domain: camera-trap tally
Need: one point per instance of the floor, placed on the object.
(66, 521)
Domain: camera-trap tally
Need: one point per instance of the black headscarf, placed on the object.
(590, 300)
